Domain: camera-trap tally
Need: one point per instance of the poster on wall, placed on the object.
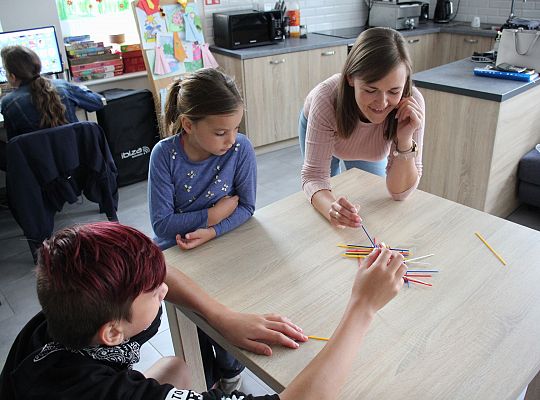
(149, 27)
(175, 18)
(172, 39)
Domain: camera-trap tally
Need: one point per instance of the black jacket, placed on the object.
(52, 166)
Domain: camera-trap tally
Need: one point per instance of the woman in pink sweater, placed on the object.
(371, 117)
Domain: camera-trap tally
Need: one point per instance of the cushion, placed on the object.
(529, 193)
(529, 167)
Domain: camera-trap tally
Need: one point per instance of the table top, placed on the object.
(473, 335)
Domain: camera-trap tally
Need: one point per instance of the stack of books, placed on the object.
(90, 60)
(132, 58)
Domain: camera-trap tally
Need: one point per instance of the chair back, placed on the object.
(49, 167)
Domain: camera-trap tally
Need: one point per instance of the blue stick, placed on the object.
(369, 237)
(421, 270)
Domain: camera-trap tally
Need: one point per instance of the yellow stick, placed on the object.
(353, 256)
(319, 338)
(491, 248)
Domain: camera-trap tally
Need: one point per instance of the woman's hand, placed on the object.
(194, 239)
(222, 209)
(378, 280)
(410, 117)
(343, 213)
(255, 332)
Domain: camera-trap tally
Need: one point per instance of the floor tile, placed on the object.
(162, 342)
(149, 355)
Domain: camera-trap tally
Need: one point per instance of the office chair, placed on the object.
(49, 167)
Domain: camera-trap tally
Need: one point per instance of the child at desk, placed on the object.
(37, 102)
(202, 182)
(101, 287)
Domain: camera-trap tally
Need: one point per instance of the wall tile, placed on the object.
(496, 11)
(316, 14)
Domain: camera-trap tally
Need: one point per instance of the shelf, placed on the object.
(131, 75)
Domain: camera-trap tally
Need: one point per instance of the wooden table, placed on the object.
(473, 335)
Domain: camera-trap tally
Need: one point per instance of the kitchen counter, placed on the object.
(476, 131)
(320, 40)
(458, 78)
(291, 45)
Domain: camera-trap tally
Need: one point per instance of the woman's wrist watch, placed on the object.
(412, 152)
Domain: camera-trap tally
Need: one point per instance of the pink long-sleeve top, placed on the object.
(366, 143)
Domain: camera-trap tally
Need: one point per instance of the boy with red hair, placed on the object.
(101, 286)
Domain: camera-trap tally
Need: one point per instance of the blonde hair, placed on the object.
(25, 65)
(198, 95)
(376, 52)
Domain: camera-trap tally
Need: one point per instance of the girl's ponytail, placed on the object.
(48, 103)
(172, 120)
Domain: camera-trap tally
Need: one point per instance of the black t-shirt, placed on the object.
(37, 368)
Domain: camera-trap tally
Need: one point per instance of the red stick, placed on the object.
(415, 281)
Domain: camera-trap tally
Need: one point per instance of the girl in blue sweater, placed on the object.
(202, 183)
(202, 179)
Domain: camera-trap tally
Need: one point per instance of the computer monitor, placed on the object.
(42, 41)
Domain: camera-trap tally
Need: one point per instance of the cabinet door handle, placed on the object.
(411, 41)
(328, 53)
(472, 41)
(275, 62)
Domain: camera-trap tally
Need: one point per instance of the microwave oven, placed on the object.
(240, 29)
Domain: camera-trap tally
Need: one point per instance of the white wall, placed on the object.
(496, 11)
(318, 15)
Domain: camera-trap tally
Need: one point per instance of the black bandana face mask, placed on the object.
(123, 355)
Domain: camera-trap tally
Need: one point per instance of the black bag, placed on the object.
(130, 124)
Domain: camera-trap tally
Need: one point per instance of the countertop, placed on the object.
(317, 41)
(458, 78)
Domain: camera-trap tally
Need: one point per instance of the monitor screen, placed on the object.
(42, 41)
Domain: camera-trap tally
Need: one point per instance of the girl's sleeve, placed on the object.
(85, 98)
(166, 223)
(245, 186)
(319, 143)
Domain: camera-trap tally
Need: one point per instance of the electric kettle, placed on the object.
(443, 11)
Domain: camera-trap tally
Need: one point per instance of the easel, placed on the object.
(157, 83)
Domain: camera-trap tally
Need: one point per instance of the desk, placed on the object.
(473, 335)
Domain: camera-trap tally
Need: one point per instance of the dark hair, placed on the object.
(376, 52)
(88, 275)
(25, 64)
(198, 95)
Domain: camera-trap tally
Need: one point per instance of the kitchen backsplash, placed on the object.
(318, 15)
(496, 11)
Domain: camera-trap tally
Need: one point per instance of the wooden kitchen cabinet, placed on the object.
(454, 47)
(274, 88)
(323, 63)
(421, 51)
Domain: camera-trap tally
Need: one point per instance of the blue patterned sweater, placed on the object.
(180, 191)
